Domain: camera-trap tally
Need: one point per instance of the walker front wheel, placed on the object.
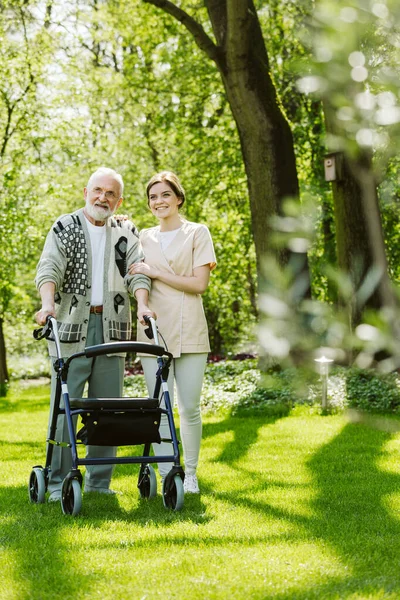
(173, 497)
(71, 497)
(37, 486)
(147, 483)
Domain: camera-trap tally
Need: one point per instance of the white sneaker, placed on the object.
(191, 485)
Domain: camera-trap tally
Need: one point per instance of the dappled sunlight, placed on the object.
(10, 584)
(391, 502)
(268, 474)
(358, 501)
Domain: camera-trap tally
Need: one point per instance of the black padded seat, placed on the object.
(113, 403)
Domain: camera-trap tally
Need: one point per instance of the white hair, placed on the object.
(111, 173)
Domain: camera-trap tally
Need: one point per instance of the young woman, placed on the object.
(179, 256)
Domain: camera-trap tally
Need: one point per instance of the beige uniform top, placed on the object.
(180, 315)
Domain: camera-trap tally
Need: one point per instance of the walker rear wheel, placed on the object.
(71, 497)
(173, 498)
(147, 483)
(37, 486)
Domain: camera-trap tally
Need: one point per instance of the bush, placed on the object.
(135, 386)
(369, 390)
(227, 382)
(32, 366)
(278, 391)
(239, 385)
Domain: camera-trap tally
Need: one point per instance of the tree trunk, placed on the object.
(329, 245)
(265, 135)
(3, 362)
(360, 242)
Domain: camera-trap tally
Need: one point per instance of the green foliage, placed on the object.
(125, 85)
(23, 52)
(239, 386)
(277, 392)
(389, 192)
(135, 386)
(32, 366)
(355, 70)
(226, 382)
(369, 390)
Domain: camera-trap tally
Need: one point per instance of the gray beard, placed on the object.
(98, 214)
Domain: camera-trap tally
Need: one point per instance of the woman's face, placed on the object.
(163, 201)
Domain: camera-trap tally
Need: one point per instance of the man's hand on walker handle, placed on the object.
(145, 311)
(43, 313)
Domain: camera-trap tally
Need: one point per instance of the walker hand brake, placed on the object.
(45, 331)
(151, 331)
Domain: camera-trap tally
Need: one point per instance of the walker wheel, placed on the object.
(71, 497)
(37, 486)
(174, 497)
(147, 483)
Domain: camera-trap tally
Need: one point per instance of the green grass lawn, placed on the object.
(303, 506)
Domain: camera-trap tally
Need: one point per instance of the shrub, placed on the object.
(227, 382)
(30, 366)
(369, 390)
(277, 392)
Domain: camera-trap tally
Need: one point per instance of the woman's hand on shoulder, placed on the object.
(142, 268)
(121, 218)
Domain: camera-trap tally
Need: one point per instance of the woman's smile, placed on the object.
(164, 204)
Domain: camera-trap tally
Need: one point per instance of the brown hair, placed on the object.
(172, 180)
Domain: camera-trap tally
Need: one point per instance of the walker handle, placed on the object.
(49, 328)
(45, 331)
(135, 347)
(151, 331)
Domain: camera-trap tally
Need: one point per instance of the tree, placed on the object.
(353, 79)
(20, 73)
(104, 96)
(355, 73)
(241, 57)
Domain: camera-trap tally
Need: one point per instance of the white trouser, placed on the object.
(188, 372)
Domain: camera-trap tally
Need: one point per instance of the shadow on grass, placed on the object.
(153, 509)
(141, 513)
(38, 560)
(21, 398)
(37, 541)
(244, 437)
(352, 518)
(350, 514)
(16, 450)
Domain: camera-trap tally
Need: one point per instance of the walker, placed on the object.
(111, 422)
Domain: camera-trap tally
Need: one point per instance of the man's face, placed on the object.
(103, 197)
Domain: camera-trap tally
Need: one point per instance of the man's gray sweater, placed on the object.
(67, 262)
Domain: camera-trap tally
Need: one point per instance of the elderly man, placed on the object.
(83, 281)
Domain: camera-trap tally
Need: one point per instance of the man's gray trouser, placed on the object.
(104, 375)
